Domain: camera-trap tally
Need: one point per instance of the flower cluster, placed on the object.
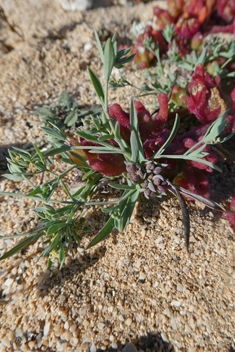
(148, 177)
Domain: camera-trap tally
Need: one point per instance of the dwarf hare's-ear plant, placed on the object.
(135, 146)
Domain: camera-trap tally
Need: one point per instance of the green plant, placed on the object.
(64, 114)
(114, 144)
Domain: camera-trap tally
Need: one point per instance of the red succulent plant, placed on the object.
(230, 215)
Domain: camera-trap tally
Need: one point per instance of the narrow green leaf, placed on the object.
(22, 151)
(35, 191)
(106, 230)
(120, 186)
(52, 246)
(122, 53)
(170, 138)
(124, 60)
(99, 45)
(110, 209)
(136, 142)
(56, 151)
(13, 177)
(134, 147)
(39, 153)
(208, 202)
(66, 190)
(14, 169)
(61, 255)
(94, 139)
(64, 98)
(49, 263)
(109, 58)
(105, 150)
(54, 133)
(216, 127)
(97, 85)
(71, 119)
(21, 245)
(54, 228)
(225, 139)
(88, 174)
(171, 76)
(105, 137)
(74, 234)
(25, 234)
(133, 117)
(202, 57)
(128, 210)
(45, 112)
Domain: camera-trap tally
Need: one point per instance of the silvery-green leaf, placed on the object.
(71, 118)
(21, 245)
(52, 246)
(109, 58)
(128, 210)
(99, 45)
(106, 230)
(97, 85)
(13, 177)
(61, 255)
(64, 98)
(54, 133)
(202, 57)
(170, 138)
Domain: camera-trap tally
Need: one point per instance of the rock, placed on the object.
(129, 348)
(18, 332)
(46, 329)
(76, 5)
(6, 342)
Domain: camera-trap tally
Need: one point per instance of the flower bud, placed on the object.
(144, 184)
(160, 189)
(157, 170)
(150, 166)
(151, 187)
(135, 178)
(131, 168)
(140, 173)
(147, 193)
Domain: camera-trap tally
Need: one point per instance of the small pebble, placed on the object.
(87, 46)
(100, 326)
(6, 342)
(46, 329)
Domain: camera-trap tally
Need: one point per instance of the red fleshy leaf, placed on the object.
(163, 17)
(232, 205)
(107, 169)
(202, 102)
(226, 9)
(194, 180)
(187, 26)
(106, 164)
(230, 217)
(123, 118)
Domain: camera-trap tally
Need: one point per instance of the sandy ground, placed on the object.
(138, 286)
